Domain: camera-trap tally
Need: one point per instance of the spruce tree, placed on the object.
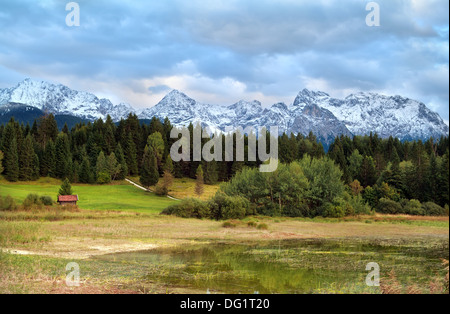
(102, 164)
(26, 160)
(62, 156)
(168, 165)
(199, 183)
(48, 165)
(1, 162)
(11, 162)
(368, 174)
(131, 155)
(85, 173)
(149, 172)
(122, 162)
(211, 174)
(66, 188)
(443, 181)
(35, 171)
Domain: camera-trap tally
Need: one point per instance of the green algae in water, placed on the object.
(288, 267)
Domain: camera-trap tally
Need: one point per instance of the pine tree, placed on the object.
(1, 162)
(199, 183)
(368, 174)
(62, 156)
(11, 162)
(26, 160)
(114, 167)
(211, 175)
(35, 173)
(48, 165)
(156, 143)
(131, 156)
(47, 129)
(85, 174)
(443, 181)
(102, 164)
(122, 162)
(168, 165)
(149, 172)
(66, 188)
(355, 161)
(432, 180)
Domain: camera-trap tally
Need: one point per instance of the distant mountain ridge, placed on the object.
(327, 117)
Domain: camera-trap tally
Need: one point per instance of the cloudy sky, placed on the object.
(221, 51)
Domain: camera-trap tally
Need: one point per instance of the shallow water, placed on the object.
(299, 266)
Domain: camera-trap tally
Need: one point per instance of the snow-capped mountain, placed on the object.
(61, 100)
(386, 115)
(326, 117)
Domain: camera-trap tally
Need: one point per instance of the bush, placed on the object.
(432, 209)
(189, 208)
(104, 178)
(161, 190)
(46, 200)
(229, 224)
(225, 207)
(360, 207)
(263, 226)
(333, 210)
(32, 200)
(413, 207)
(386, 206)
(7, 203)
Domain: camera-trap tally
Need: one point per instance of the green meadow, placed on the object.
(116, 197)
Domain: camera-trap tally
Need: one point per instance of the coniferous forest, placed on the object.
(385, 175)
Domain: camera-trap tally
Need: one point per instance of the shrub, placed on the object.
(7, 203)
(189, 208)
(252, 224)
(333, 210)
(432, 209)
(229, 224)
(161, 190)
(32, 200)
(229, 207)
(104, 178)
(360, 207)
(386, 206)
(263, 226)
(413, 207)
(46, 200)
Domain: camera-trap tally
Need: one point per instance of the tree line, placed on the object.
(102, 151)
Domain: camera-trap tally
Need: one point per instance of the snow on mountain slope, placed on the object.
(59, 99)
(386, 115)
(315, 111)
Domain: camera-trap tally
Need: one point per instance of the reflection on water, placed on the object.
(300, 266)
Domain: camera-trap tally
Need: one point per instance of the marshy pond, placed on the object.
(286, 267)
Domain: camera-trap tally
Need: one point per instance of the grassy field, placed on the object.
(185, 187)
(37, 245)
(123, 245)
(120, 196)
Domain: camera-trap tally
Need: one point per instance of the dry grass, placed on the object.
(87, 233)
(185, 188)
(391, 284)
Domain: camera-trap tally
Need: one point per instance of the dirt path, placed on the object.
(148, 190)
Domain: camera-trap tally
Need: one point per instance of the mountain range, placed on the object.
(325, 116)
